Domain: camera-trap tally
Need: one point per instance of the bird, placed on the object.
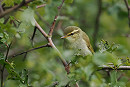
(77, 40)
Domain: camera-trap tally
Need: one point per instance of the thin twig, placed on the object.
(40, 29)
(128, 9)
(52, 27)
(25, 56)
(54, 84)
(104, 67)
(108, 68)
(24, 2)
(76, 85)
(60, 56)
(59, 7)
(39, 6)
(47, 45)
(49, 36)
(2, 70)
(6, 20)
(96, 29)
(67, 68)
(34, 32)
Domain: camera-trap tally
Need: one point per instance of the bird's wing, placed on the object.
(86, 38)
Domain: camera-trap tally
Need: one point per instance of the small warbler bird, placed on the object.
(77, 40)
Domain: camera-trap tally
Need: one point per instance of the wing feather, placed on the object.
(86, 38)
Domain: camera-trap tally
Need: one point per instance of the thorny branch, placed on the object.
(49, 35)
(52, 44)
(2, 70)
(128, 9)
(49, 38)
(96, 29)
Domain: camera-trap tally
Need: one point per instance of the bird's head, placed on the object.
(72, 33)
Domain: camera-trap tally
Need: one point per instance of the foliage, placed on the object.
(42, 67)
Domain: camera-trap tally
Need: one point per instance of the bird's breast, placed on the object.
(80, 47)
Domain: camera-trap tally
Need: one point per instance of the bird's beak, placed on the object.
(64, 37)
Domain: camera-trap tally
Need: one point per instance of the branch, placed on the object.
(61, 4)
(49, 36)
(47, 45)
(34, 32)
(66, 65)
(54, 84)
(96, 29)
(25, 56)
(6, 20)
(76, 85)
(128, 9)
(2, 70)
(24, 2)
(112, 67)
(51, 43)
(40, 29)
(39, 6)
(52, 27)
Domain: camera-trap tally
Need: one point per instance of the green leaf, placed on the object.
(2, 20)
(105, 58)
(10, 68)
(8, 2)
(22, 77)
(1, 35)
(2, 61)
(113, 77)
(18, 1)
(1, 55)
(25, 76)
(105, 46)
(28, 16)
(8, 65)
(68, 1)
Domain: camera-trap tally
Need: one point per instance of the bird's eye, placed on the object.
(72, 34)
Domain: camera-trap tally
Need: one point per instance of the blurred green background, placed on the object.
(43, 65)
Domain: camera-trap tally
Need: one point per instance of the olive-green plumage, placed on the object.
(77, 40)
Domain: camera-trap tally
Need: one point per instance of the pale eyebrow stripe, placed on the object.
(74, 31)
